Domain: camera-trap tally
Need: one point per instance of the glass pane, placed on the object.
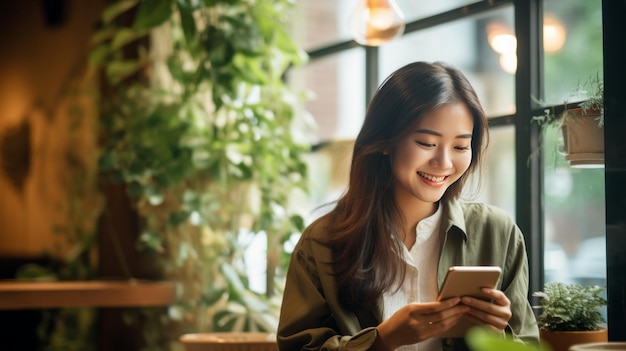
(497, 185)
(329, 169)
(464, 44)
(572, 45)
(574, 218)
(337, 88)
(574, 198)
(321, 23)
(418, 9)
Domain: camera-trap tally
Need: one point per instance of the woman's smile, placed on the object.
(433, 179)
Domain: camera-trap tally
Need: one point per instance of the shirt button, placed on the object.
(449, 341)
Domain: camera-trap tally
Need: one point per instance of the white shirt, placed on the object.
(420, 284)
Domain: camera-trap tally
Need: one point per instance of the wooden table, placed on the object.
(16, 294)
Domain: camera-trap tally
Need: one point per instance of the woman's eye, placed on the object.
(424, 144)
(463, 147)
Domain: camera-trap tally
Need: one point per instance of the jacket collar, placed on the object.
(454, 217)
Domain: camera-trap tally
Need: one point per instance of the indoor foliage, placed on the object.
(570, 307)
(198, 125)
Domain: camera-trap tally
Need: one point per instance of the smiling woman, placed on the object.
(388, 242)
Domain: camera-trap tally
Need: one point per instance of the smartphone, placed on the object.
(467, 281)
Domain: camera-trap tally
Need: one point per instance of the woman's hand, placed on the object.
(494, 316)
(417, 322)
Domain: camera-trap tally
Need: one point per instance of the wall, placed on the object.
(43, 138)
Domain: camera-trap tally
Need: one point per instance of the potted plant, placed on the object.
(582, 127)
(570, 315)
(581, 124)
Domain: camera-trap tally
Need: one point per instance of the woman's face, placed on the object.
(434, 156)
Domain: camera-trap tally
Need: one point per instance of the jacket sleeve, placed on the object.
(522, 325)
(307, 320)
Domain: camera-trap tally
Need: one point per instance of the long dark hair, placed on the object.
(366, 262)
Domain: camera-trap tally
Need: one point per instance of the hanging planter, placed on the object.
(583, 138)
(581, 125)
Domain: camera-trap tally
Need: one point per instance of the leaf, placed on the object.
(298, 222)
(103, 35)
(151, 240)
(234, 281)
(98, 55)
(154, 195)
(153, 13)
(190, 5)
(125, 36)
(108, 161)
(177, 218)
(34, 271)
(117, 8)
(479, 339)
(188, 23)
(283, 41)
(118, 70)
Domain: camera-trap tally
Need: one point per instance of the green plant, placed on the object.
(590, 93)
(570, 307)
(199, 128)
(480, 339)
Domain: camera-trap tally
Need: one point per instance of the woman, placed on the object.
(366, 275)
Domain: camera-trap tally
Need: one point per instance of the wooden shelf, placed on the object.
(15, 294)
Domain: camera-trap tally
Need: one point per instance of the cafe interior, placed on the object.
(160, 159)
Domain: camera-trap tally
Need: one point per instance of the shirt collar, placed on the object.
(426, 226)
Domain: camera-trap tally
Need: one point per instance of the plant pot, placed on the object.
(583, 139)
(229, 341)
(563, 340)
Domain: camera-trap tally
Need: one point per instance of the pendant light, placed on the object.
(375, 22)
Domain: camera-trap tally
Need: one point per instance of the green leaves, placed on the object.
(152, 13)
(570, 307)
(198, 128)
(480, 339)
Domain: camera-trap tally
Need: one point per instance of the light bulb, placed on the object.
(508, 62)
(501, 38)
(553, 34)
(504, 44)
(375, 22)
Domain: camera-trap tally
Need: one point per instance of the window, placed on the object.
(571, 228)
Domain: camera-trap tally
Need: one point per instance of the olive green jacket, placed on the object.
(312, 318)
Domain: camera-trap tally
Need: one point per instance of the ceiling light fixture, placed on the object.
(375, 22)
